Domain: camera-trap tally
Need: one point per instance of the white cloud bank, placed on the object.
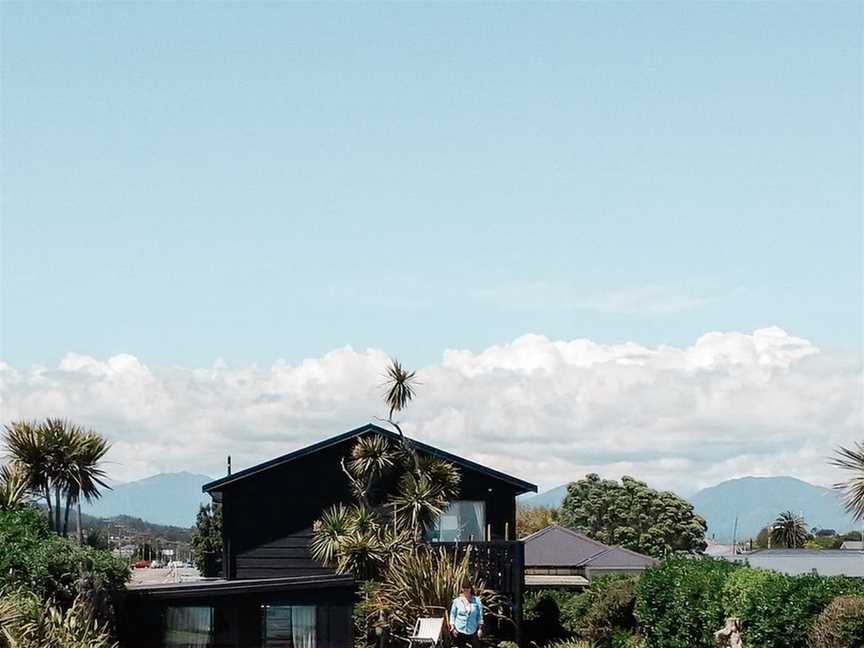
(732, 404)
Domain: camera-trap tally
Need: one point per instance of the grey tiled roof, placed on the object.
(557, 546)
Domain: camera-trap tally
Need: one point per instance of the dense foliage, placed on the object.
(679, 604)
(840, 625)
(632, 515)
(207, 539)
(605, 610)
(530, 519)
(47, 565)
(776, 610)
(28, 622)
(422, 583)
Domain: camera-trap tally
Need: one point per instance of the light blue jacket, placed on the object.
(466, 617)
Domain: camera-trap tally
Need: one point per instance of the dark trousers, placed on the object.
(466, 640)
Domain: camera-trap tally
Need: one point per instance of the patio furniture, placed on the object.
(427, 632)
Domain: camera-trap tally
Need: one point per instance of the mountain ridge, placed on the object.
(755, 501)
(170, 499)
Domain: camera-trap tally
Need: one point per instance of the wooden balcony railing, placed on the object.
(501, 564)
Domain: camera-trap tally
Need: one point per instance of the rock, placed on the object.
(729, 636)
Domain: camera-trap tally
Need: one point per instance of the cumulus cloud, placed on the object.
(732, 404)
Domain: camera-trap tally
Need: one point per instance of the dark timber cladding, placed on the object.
(268, 510)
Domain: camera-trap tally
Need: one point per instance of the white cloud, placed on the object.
(731, 404)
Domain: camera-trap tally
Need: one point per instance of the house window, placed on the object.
(463, 520)
(188, 627)
(290, 626)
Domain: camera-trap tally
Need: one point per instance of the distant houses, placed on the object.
(824, 562)
(558, 557)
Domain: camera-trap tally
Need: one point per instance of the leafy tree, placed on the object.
(789, 531)
(632, 515)
(530, 519)
(207, 539)
(763, 538)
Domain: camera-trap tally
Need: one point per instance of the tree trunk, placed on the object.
(78, 521)
(66, 514)
(57, 508)
(50, 508)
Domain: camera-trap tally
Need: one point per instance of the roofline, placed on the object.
(572, 532)
(220, 587)
(219, 484)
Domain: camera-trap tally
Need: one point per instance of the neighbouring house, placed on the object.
(272, 593)
(560, 558)
(825, 562)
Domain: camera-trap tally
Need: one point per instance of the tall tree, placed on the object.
(62, 462)
(789, 531)
(359, 537)
(87, 475)
(207, 539)
(632, 515)
(852, 461)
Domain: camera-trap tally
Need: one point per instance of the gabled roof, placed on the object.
(557, 546)
(218, 484)
(619, 558)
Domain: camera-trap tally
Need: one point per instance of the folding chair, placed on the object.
(427, 632)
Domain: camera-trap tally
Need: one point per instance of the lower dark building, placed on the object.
(298, 612)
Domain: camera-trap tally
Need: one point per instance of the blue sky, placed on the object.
(252, 182)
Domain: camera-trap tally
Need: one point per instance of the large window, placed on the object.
(463, 520)
(188, 627)
(289, 626)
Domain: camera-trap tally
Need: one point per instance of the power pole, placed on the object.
(735, 537)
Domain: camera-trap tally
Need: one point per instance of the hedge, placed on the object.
(679, 604)
(776, 610)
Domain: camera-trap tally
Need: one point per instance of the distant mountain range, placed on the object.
(167, 498)
(756, 501)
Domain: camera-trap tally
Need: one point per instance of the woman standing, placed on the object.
(466, 617)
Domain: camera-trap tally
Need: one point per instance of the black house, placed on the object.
(273, 593)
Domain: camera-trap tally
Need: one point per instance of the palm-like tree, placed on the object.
(60, 459)
(27, 445)
(87, 475)
(852, 460)
(789, 531)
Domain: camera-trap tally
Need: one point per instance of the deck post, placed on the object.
(519, 586)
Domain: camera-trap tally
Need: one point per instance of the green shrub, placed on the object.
(605, 607)
(27, 622)
(627, 639)
(542, 612)
(776, 610)
(569, 643)
(507, 644)
(679, 604)
(840, 625)
(47, 565)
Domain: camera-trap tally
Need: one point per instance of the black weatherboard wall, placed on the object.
(268, 511)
